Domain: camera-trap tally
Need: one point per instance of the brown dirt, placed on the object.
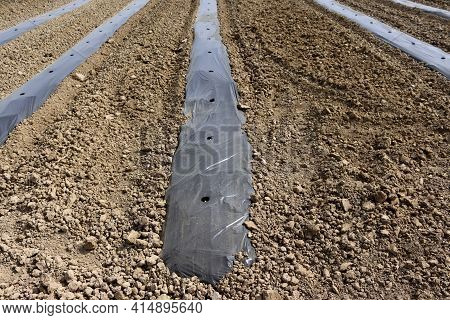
(339, 122)
(443, 4)
(350, 142)
(33, 51)
(63, 183)
(424, 26)
(14, 12)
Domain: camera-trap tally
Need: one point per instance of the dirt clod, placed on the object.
(271, 295)
(90, 243)
(79, 76)
(380, 197)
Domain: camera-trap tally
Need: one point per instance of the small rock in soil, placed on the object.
(250, 225)
(271, 295)
(79, 76)
(133, 236)
(368, 206)
(346, 205)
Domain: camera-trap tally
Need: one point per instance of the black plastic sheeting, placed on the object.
(434, 57)
(209, 194)
(29, 97)
(14, 32)
(428, 9)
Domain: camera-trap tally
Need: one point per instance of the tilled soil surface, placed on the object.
(33, 51)
(83, 180)
(443, 4)
(350, 141)
(424, 26)
(14, 12)
(69, 231)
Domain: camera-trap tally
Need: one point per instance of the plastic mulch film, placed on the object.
(428, 9)
(29, 97)
(14, 32)
(434, 57)
(209, 194)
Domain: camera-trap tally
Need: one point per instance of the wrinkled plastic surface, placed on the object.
(433, 10)
(434, 57)
(14, 32)
(29, 97)
(209, 194)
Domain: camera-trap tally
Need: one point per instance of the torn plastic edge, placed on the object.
(433, 57)
(428, 9)
(209, 194)
(12, 33)
(23, 102)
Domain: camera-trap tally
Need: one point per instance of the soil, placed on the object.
(25, 56)
(443, 4)
(350, 168)
(14, 12)
(430, 28)
(64, 232)
(351, 155)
